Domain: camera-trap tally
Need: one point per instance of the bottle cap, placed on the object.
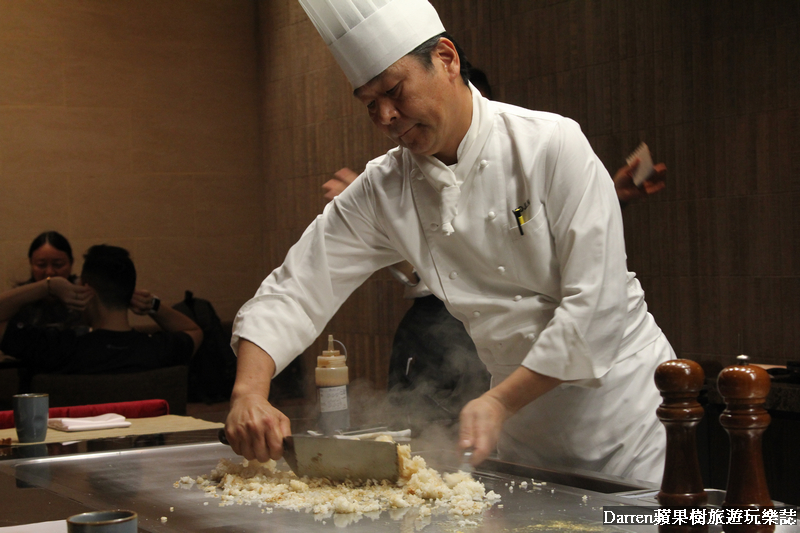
(330, 352)
(331, 358)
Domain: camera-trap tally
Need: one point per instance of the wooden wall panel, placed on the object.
(712, 86)
(117, 121)
(312, 126)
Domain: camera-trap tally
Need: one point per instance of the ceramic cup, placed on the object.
(30, 416)
(117, 521)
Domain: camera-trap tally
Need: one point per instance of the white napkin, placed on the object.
(56, 526)
(110, 420)
(645, 168)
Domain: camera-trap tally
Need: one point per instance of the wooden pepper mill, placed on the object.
(680, 381)
(744, 389)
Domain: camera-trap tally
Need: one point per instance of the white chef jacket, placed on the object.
(552, 294)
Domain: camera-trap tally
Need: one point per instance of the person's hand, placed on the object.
(480, 423)
(255, 429)
(341, 179)
(627, 191)
(141, 302)
(74, 296)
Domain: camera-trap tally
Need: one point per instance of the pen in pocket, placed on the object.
(519, 217)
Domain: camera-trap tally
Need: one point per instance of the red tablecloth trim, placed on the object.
(138, 409)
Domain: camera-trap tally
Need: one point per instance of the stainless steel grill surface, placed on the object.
(142, 480)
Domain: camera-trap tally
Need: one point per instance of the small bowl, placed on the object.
(115, 521)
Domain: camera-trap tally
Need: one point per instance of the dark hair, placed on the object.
(423, 54)
(55, 239)
(480, 81)
(110, 272)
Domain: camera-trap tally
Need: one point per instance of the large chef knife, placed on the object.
(339, 459)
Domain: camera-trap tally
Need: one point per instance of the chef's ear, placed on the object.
(445, 51)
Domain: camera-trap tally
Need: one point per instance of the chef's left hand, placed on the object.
(482, 419)
(480, 423)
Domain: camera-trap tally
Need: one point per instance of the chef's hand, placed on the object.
(341, 179)
(627, 191)
(254, 427)
(482, 419)
(480, 423)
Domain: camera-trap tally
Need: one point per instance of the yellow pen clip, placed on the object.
(520, 218)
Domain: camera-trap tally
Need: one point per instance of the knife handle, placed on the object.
(222, 437)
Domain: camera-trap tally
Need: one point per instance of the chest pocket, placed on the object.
(532, 253)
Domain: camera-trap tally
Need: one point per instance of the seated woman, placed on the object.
(105, 293)
(50, 257)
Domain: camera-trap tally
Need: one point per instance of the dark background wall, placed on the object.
(713, 87)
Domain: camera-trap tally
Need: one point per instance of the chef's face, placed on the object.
(417, 105)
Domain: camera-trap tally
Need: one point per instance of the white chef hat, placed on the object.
(367, 36)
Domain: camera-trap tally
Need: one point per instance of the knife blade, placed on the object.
(338, 459)
(341, 459)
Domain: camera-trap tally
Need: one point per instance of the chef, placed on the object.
(510, 219)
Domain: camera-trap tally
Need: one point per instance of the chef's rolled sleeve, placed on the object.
(283, 332)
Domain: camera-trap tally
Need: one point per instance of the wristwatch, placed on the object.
(154, 306)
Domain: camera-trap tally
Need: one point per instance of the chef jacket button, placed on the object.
(434, 225)
(484, 163)
(476, 314)
(453, 274)
(420, 176)
(501, 269)
(531, 336)
(492, 215)
(517, 298)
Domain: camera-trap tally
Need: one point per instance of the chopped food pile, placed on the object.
(255, 483)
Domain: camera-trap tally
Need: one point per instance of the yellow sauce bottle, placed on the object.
(332, 380)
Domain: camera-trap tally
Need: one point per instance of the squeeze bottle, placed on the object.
(332, 379)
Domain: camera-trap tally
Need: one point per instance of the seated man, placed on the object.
(104, 293)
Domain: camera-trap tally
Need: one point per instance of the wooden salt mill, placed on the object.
(680, 381)
(744, 389)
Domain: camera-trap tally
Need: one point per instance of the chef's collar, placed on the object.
(447, 180)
